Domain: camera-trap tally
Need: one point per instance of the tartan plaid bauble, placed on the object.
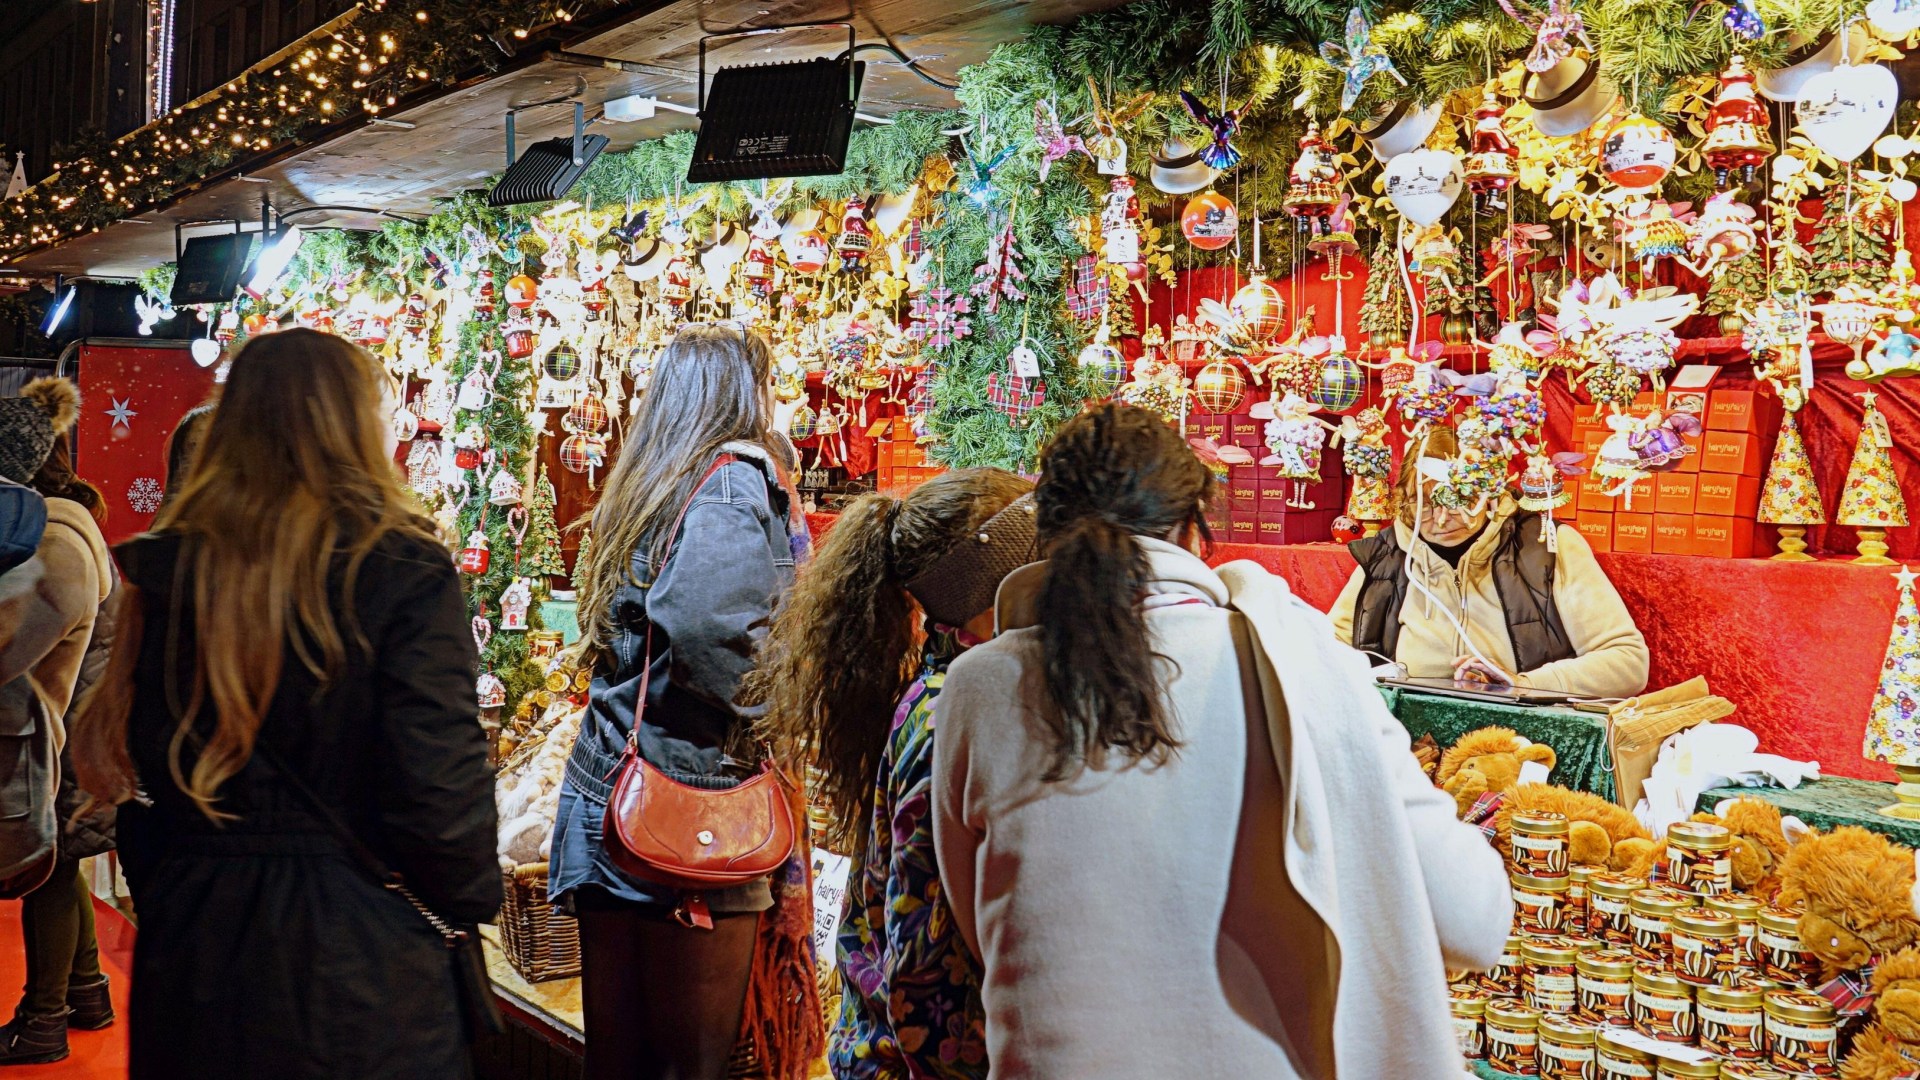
(588, 416)
(1261, 307)
(1341, 383)
(1014, 395)
(582, 452)
(1102, 369)
(561, 363)
(1220, 387)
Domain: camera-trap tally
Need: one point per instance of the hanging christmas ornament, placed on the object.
(491, 692)
(582, 453)
(1491, 162)
(1554, 33)
(1369, 461)
(476, 390)
(588, 416)
(1543, 489)
(522, 291)
(1722, 233)
(1220, 154)
(561, 363)
(1422, 184)
(475, 557)
(1893, 356)
(485, 296)
(1120, 229)
(940, 318)
(979, 187)
(1337, 242)
(999, 275)
(1894, 19)
(809, 252)
(1295, 439)
(1210, 221)
(1313, 183)
(518, 337)
(504, 489)
(803, 425)
(469, 448)
(1844, 110)
(1651, 233)
(1105, 146)
(756, 267)
(1737, 135)
(1016, 396)
(1637, 153)
(515, 602)
(1102, 367)
(1342, 381)
(1220, 387)
(1260, 308)
(1359, 57)
(1055, 143)
(1850, 316)
(676, 281)
(855, 239)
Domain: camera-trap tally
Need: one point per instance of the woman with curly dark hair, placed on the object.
(1175, 821)
(852, 671)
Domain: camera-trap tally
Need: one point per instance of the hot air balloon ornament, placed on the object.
(1737, 139)
(1492, 161)
(1313, 183)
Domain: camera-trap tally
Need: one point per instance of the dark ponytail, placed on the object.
(846, 643)
(1111, 474)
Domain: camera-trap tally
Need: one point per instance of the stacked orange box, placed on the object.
(900, 464)
(1731, 462)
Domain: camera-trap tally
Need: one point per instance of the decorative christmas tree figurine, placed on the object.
(1893, 728)
(585, 553)
(1735, 289)
(1847, 248)
(1385, 315)
(1871, 501)
(545, 558)
(1791, 499)
(1737, 135)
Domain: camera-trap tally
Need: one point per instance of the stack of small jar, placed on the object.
(1684, 960)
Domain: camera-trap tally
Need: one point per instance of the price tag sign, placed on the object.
(1882, 438)
(1024, 362)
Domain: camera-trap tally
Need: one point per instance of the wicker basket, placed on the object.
(541, 942)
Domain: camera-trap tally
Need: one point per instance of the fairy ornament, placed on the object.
(1296, 438)
(1543, 489)
(1360, 58)
(1219, 155)
(1055, 143)
(1553, 33)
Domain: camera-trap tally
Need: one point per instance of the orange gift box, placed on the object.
(1747, 412)
(1633, 533)
(1243, 431)
(1691, 463)
(1673, 493)
(1642, 496)
(1587, 418)
(1645, 403)
(1243, 529)
(1723, 537)
(1733, 452)
(1722, 495)
(1673, 534)
(1598, 529)
(1592, 494)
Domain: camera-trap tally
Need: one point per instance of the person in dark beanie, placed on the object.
(64, 982)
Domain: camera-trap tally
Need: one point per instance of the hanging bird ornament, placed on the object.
(1360, 58)
(1055, 143)
(980, 187)
(1219, 155)
(1553, 33)
(1740, 19)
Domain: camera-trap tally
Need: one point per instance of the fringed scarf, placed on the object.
(783, 1018)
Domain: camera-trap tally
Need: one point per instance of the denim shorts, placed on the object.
(579, 855)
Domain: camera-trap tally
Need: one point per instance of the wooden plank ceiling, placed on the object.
(457, 141)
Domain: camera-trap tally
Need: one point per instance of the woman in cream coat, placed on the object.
(1173, 817)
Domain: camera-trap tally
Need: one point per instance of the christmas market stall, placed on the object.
(1648, 263)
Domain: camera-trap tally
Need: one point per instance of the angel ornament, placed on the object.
(1369, 461)
(1296, 438)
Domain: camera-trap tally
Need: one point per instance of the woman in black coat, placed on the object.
(292, 611)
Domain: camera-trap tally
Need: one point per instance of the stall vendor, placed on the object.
(1498, 606)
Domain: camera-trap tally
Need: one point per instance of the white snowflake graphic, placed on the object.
(144, 495)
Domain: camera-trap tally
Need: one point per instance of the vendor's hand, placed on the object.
(1472, 669)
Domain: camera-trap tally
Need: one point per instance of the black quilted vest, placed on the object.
(1522, 576)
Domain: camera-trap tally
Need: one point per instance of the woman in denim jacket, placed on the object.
(663, 998)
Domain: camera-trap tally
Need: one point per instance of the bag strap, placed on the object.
(656, 569)
(361, 854)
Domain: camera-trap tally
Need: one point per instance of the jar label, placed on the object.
(1553, 983)
(1732, 1033)
(1612, 1068)
(1658, 1016)
(1559, 1062)
(1511, 1051)
(1803, 1046)
(1469, 1034)
(1539, 843)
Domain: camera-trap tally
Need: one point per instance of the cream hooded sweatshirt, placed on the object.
(1611, 655)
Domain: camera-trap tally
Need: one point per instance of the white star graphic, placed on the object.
(122, 416)
(1906, 577)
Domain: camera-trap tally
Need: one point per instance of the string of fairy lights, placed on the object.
(370, 59)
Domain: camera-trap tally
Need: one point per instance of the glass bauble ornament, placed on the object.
(1261, 308)
(1342, 381)
(561, 363)
(1210, 221)
(1637, 153)
(1102, 369)
(522, 291)
(1220, 387)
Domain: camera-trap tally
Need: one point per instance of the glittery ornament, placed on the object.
(1492, 160)
(1220, 387)
(1260, 308)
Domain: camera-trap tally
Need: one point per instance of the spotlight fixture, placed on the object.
(548, 169)
(274, 256)
(57, 314)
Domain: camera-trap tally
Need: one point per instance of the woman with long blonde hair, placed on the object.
(676, 614)
(293, 690)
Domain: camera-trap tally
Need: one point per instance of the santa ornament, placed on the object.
(1737, 136)
(856, 239)
(1313, 184)
(1491, 162)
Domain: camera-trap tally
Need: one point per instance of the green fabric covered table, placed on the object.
(1828, 802)
(1579, 740)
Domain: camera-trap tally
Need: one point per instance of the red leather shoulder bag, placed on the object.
(694, 838)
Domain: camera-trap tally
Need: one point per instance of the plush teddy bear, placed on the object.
(1854, 888)
(1759, 844)
(1599, 833)
(1487, 760)
(1889, 1047)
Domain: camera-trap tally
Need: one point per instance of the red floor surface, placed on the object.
(97, 1055)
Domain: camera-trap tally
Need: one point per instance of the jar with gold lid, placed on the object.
(1503, 979)
(1803, 1033)
(1538, 843)
(1578, 878)
(1662, 1005)
(1469, 1008)
(1732, 1021)
(1605, 982)
(1651, 914)
(1745, 913)
(1608, 899)
(1750, 1070)
(1782, 956)
(1706, 947)
(1547, 975)
(1566, 1048)
(1669, 1069)
(1615, 1060)
(1539, 903)
(1700, 857)
(1513, 1038)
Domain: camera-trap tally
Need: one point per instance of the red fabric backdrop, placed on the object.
(158, 383)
